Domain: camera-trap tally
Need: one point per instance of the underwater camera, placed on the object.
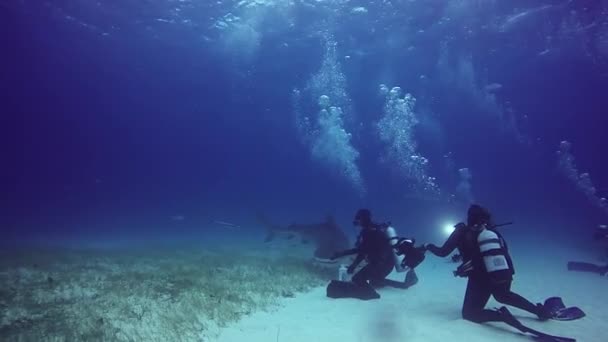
(456, 258)
(413, 256)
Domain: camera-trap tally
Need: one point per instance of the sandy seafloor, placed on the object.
(430, 311)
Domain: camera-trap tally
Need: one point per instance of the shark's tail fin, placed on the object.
(270, 228)
(270, 235)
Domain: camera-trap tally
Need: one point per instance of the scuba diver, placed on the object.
(488, 266)
(383, 251)
(601, 234)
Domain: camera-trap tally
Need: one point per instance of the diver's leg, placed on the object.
(363, 275)
(362, 289)
(503, 294)
(475, 299)
(410, 280)
(379, 274)
(477, 295)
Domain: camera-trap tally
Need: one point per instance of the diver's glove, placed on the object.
(351, 269)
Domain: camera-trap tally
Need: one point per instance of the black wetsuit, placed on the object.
(480, 284)
(373, 246)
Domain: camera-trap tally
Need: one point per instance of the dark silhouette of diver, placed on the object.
(375, 247)
(488, 266)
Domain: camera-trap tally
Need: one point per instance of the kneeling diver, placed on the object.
(379, 246)
(488, 266)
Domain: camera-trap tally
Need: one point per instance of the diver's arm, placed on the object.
(448, 247)
(356, 262)
(363, 248)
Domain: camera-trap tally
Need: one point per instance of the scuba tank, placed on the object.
(494, 255)
(391, 234)
(343, 273)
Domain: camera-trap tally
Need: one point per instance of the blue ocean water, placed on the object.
(131, 120)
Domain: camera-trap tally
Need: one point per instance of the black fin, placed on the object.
(554, 304)
(344, 289)
(569, 314)
(509, 319)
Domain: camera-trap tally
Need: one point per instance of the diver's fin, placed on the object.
(554, 304)
(347, 289)
(391, 283)
(509, 319)
(568, 314)
(587, 267)
(559, 312)
(411, 278)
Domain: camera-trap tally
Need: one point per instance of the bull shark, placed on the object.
(327, 237)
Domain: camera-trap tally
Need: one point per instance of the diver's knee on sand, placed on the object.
(475, 316)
